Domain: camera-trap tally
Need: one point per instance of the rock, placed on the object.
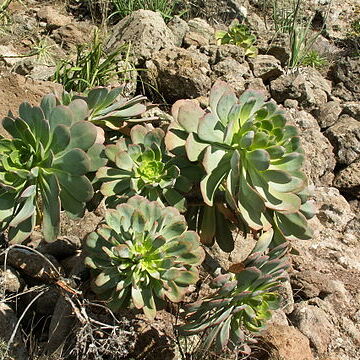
(42, 72)
(287, 297)
(63, 247)
(61, 325)
(279, 48)
(147, 32)
(34, 265)
(234, 51)
(200, 33)
(8, 322)
(193, 39)
(291, 103)
(347, 73)
(43, 305)
(233, 72)
(348, 179)
(179, 74)
(179, 28)
(333, 210)
(10, 280)
(266, 67)
(278, 317)
(283, 342)
(319, 160)
(8, 55)
(345, 138)
(218, 53)
(352, 109)
(53, 18)
(74, 264)
(328, 114)
(309, 88)
(314, 323)
(15, 89)
(258, 85)
(74, 34)
(79, 228)
(201, 27)
(309, 284)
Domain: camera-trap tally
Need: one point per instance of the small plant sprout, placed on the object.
(240, 35)
(143, 254)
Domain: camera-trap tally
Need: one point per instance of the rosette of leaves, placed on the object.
(243, 301)
(108, 108)
(240, 35)
(43, 166)
(142, 254)
(141, 166)
(249, 153)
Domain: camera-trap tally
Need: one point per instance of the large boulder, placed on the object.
(308, 87)
(233, 72)
(319, 161)
(285, 342)
(348, 179)
(344, 135)
(179, 74)
(315, 324)
(15, 89)
(328, 114)
(145, 30)
(200, 33)
(347, 78)
(266, 67)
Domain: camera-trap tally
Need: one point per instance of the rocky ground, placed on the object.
(320, 318)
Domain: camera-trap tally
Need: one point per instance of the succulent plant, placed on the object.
(243, 300)
(240, 35)
(108, 108)
(248, 152)
(214, 224)
(141, 166)
(43, 166)
(143, 252)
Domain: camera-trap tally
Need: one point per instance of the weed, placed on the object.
(43, 52)
(240, 35)
(314, 59)
(92, 67)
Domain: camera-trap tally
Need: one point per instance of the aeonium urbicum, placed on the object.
(250, 153)
(142, 166)
(243, 300)
(143, 254)
(43, 166)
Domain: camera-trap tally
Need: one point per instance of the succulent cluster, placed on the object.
(240, 35)
(243, 300)
(143, 252)
(235, 166)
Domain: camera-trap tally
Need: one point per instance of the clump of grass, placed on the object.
(92, 67)
(166, 8)
(288, 18)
